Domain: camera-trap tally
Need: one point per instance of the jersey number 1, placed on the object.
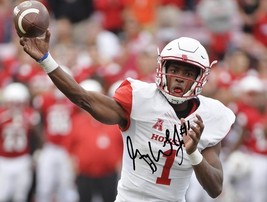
(164, 178)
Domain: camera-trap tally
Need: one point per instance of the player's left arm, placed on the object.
(207, 165)
(209, 172)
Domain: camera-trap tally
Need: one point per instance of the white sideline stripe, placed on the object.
(22, 15)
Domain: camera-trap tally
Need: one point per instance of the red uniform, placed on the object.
(15, 130)
(254, 122)
(111, 11)
(247, 166)
(97, 147)
(54, 166)
(98, 151)
(57, 113)
(259, 29)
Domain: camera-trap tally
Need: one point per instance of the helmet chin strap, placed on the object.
(175, 100)
(178, 101)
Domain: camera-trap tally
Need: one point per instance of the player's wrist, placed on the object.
(48, 63)
(195, 158)
(43, 58)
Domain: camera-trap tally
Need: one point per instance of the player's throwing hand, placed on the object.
(36, 47)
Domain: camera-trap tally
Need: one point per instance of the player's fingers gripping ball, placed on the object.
(31, 19)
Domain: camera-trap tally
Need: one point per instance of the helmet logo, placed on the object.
(184, 57)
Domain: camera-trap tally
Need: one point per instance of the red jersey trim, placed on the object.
(123, 95)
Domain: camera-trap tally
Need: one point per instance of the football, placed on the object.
(31, 19)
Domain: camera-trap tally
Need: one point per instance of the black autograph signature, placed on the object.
(150, 158)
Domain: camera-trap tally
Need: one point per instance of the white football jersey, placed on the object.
(156, 167)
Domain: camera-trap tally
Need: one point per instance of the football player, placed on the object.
(54, 170)
(169, 130)
(19, 124)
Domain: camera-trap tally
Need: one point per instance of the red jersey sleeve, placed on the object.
(123, 95)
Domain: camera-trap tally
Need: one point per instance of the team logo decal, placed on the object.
(158, 125)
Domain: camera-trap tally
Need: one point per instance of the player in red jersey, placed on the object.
(169, 130)
(91, 142)
(54, 172)
(248, 144)
(18, 125)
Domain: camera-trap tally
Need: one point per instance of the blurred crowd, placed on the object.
(52, 151)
